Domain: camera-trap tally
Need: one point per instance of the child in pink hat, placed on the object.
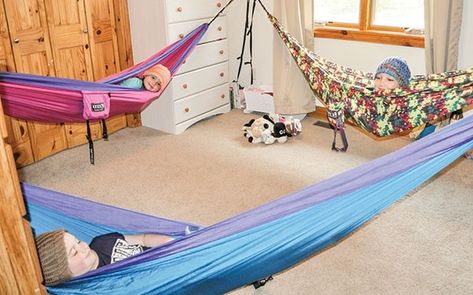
(153, 79)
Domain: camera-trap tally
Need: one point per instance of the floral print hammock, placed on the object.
(349, 93)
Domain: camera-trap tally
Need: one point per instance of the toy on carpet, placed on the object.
(271, 128)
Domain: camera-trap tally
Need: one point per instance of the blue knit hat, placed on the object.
(397, 68)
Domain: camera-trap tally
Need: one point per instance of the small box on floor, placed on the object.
(259, 99)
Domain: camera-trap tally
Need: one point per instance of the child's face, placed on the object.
(151, 83)
(384, 81)
(80, 257)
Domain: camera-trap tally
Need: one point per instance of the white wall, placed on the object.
(465, 59)
(359, 55)
(262, 43)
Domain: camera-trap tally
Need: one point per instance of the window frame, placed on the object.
(365, 31)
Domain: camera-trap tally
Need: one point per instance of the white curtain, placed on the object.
(443, 20)
(292, 94)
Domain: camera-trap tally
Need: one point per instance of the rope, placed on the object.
(220, 12)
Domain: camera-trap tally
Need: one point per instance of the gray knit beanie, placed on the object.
(397, 68)
(53, 257)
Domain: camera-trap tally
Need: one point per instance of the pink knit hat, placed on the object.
(160, 72)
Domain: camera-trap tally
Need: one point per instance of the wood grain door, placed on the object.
(7, 63)
(103, 37)
(17, 129)
(32, 51)
(69, 39)
(72, 53)
(30, 36)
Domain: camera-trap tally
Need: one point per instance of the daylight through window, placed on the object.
(399, 22)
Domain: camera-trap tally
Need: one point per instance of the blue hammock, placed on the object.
(251, 245)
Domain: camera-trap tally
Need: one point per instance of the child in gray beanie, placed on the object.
(392, 72)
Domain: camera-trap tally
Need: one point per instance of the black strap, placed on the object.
(91, 143)
(344, 140)
(242, 52)
(104, 130)
(262, 282)
(250, 34)
(264, 8)
(220, 12)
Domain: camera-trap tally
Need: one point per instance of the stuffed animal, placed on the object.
(271, 128)
(293, 126)
(259, 130)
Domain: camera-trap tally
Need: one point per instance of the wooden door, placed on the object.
(103, 37)
(19, 265)
(33, 54)
(7, 62)
(69, 39)
(68, 28)
(17, 129)
(29, 33)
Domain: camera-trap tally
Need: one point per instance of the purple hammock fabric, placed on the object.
(421, 151)
(57, 100)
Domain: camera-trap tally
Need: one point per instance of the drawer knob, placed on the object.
(219, 28)
(179, 9)
(222, 96)
(221, 51)
(187, 110)
(222, 74)
(181, 35)
(219, 4)
(17, 41)
(184, 86)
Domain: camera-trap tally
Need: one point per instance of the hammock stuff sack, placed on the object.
(350, 93)
(252, 245)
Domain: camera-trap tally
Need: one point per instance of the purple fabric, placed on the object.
(100, 213)
(387, 166)
(49, 99)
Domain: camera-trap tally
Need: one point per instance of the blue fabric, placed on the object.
(134, 82)
(272, 237)
(428, 129)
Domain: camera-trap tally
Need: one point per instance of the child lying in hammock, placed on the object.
(153, 79)
(62, 256)
(392, 72)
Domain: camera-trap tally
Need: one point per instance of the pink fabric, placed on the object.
(56, 100)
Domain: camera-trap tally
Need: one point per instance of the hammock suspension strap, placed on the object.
(220, 12)
(91, 144)
(260, 283)
(104, 130)
(248, 32)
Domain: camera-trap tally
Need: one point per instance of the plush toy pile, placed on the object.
(271, 128)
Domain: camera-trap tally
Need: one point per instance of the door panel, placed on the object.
(69, 39)
(7, 62)
(30, 36)
(103, 37)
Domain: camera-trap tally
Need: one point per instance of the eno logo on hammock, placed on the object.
(97, 107)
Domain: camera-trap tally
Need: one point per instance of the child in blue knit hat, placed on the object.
(392, 72)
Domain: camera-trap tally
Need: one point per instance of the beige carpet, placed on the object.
(421, 245)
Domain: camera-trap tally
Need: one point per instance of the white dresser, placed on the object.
(200, 88)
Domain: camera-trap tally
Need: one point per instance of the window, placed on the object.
(399, 22)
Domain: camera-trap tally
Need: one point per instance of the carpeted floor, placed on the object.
(421, 245)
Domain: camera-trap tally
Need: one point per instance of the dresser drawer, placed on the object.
(217, 30)
(198, 80)
(205, 55)
(202, 102)
(183, 10)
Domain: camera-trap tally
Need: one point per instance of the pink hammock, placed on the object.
(57, 100)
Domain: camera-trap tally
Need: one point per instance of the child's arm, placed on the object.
(148, 240)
